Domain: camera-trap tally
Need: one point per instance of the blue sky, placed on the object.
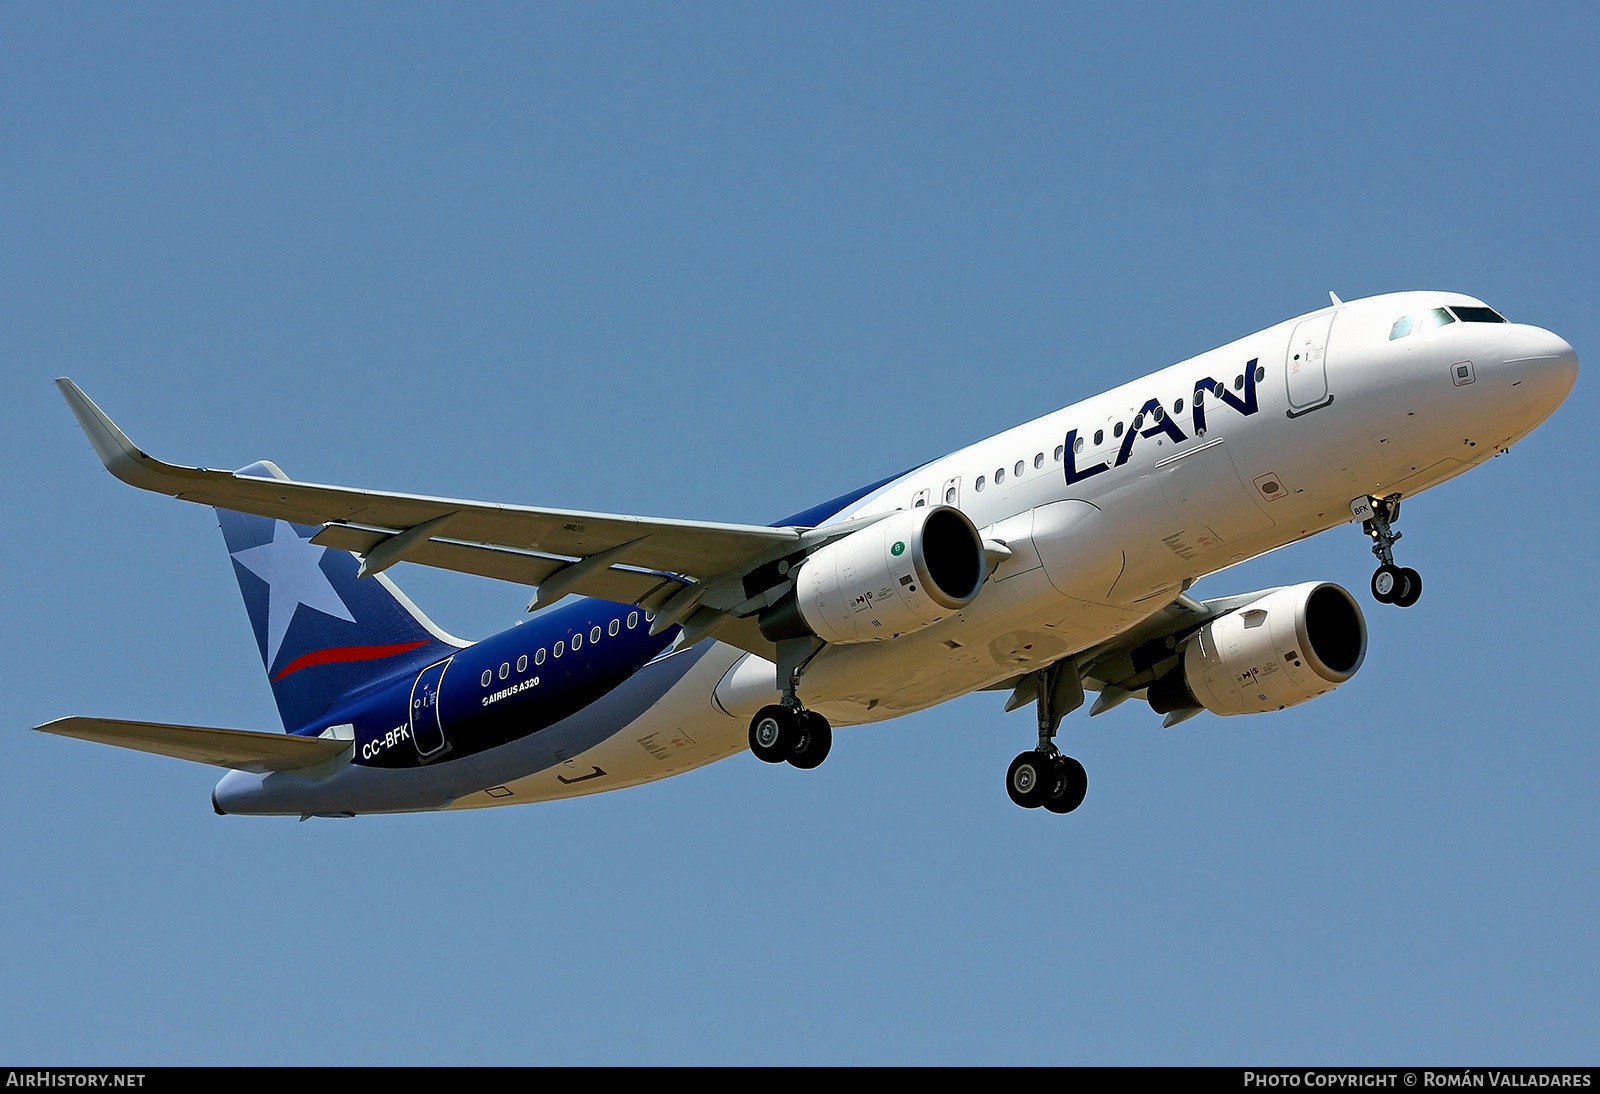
(725, 262)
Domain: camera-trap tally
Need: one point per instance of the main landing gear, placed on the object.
(1043, 776)
(786, 730)
(1050, 779)
(779, 733)
(1391, 584)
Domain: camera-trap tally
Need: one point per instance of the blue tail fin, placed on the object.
(323, 634)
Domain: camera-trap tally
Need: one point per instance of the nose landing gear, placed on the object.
(1043, 776)
(1391, 584)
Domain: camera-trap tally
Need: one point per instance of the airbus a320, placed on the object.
(1048, 562)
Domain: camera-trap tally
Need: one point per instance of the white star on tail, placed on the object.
(289, 566)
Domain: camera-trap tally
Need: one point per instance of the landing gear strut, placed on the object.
(1045, 777)
(1391, 584)
(786, 730)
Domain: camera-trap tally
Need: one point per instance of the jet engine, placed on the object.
(897, 575)
(1289, 646)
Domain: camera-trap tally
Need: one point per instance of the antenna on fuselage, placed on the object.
(1334, 297)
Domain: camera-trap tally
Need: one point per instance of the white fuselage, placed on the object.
(1342, 411)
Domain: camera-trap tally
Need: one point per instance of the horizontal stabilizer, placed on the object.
(239, 749)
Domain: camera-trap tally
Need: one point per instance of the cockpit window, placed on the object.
(1402, 327)
(1478, 315)
(1440, 317)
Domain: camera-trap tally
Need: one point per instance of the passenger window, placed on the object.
(616, 625)
(1261, 373)
(1060, 451)
(999, 475)
(1099, 436)
(594, 634)
(577, 642)
(1238, 382)
(1038, 461)
(505, 669)
(633, 620)
(561, 647)
(978, 486)
(1138, 421)
(538, 657)
(488, 677)
(1440, 317)
(950, 495)
(1402, 327)
(1158, 413)
(1077, 447)
(522, 663)
(1016, 472)
(1117, 432)
(1177, 407)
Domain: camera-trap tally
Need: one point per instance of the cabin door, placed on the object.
(1306, 365)
(427, 728)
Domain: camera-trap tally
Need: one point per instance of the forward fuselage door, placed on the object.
(427, 727)
(1306, 365)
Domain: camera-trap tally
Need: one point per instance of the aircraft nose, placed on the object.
(1544, 361)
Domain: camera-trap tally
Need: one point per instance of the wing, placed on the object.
(240, 749)
(686, 571)
(1123, 667)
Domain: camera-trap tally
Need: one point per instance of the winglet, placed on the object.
(120, 455)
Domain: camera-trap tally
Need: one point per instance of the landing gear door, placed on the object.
(427, 728)
(1306, 366)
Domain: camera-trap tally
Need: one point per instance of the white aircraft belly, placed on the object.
(1028, 625)
(683, 730)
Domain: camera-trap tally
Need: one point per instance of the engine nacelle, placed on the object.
(900, 574)
(1290, 646)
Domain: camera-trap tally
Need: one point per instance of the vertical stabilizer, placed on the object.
(323, 633)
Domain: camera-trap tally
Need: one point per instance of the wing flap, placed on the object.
(623, 586)
(699, 548)
(238, 749)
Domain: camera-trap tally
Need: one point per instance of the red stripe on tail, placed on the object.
(346, 653)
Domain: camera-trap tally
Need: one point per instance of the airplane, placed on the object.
(1047, 561)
